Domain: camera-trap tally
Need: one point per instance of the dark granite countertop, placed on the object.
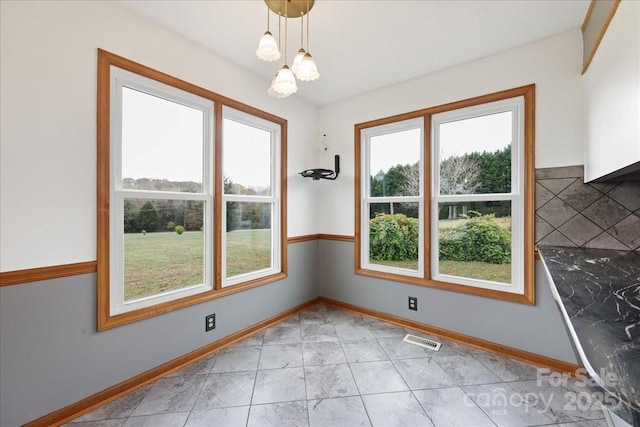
(599, 294)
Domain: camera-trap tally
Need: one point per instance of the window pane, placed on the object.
(247, 159)
(475, 240)
(475, 155)
(394, 160)
(163, 246)
(162, 144)
(394, 233)
(248, 246)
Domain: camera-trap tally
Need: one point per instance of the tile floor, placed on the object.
(329, 367)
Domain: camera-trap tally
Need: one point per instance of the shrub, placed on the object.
(179, 229)
(393, 238)
(144, 232)
(171, 226)
(480, 238)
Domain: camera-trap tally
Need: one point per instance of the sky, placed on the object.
(484, 133)
(160, 138)
(164, 140)
(398, 148)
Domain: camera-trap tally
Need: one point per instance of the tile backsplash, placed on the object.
(570, 212)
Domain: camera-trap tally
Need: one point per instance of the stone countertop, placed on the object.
(598, 292)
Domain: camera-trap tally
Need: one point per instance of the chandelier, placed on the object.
(303, 67)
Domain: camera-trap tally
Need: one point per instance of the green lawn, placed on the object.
(247, 251)
(473, 269)
(161, 262)
(477, 270)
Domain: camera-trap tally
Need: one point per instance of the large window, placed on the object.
(189, 194)
(161, 180)
(475, 165)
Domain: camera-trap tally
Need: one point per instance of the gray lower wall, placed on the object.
(538, 329)
(51, 355)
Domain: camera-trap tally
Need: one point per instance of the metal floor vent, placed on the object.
(423, 342)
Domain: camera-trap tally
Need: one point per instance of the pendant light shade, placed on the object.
(272, 92)
(297, 60)
(284, 84)
(268, 48)
(308, 70)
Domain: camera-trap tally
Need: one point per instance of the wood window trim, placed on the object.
(105, 319)
(528, 240)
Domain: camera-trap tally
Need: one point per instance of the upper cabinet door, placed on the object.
(612, 99)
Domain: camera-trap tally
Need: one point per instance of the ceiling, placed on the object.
(363, 45)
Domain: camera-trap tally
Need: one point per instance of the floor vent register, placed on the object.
(423, 342)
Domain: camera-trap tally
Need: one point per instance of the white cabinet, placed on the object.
(612, 97)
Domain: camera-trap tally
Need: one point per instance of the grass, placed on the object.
(472, 269)
(408, 264)
(247, 251)
(477, 270)
(162, 262)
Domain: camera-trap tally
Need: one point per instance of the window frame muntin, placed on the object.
(106, 320)
(528, 297)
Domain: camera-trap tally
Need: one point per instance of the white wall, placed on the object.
(553, 64)
(48, 121)
(612, 96)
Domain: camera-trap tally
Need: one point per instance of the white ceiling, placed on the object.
(363, 45)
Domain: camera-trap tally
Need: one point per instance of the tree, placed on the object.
(130, 225)
(393, 183)
(411, 184)
(495, 170)
(193, 217)
(495, 177)
(459, 175)
(148, 217)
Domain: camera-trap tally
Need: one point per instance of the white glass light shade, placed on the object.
(307, 70)
(284, 84)
(268, 48)
(273, 92)
(297, 60)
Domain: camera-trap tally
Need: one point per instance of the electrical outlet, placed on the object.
(413, 303)
(209, 322)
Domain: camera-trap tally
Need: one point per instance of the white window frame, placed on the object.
(274, 198)
(516, 196)
(367, 200)
(120, 78)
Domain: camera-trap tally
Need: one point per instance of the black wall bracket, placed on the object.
(318, 174)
